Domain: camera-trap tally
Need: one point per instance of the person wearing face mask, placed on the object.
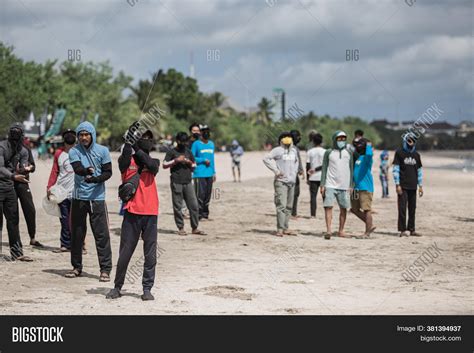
(361, 198)
(384, 171)
(236, 153)
(12, 154)
(336, 181)
(182, 163)
(25, 196)
(408, 177)
(205, 173)
(140, 219)
(195, 134)
(92, 167)
(284, 162)
(62, 175)
(296, 136)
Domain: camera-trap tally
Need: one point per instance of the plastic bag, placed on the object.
(51, 207)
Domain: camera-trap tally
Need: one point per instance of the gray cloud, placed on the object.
(410, 56)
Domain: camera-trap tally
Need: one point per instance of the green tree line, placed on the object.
(27, 86)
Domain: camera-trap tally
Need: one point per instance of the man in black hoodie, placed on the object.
(23, 193)
(12, 154)
(296, 136)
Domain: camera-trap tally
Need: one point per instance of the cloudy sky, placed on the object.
(409, 57)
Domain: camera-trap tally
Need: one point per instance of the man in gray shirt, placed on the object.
(284, 162)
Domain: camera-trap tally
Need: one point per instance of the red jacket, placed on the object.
(145, 201)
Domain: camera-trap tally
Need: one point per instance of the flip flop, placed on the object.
(290, 232)
(24, 258)
(104, 277)
(61, 249)
(279, 234)
(199, 232)
(73, 273)
(181, 232)
(36, 243)
(327, 236)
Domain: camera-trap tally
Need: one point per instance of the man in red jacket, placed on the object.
(141, 212)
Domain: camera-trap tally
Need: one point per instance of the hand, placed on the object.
(20, 178)
(207, 162)
(420, 191)
(91, 179)
(48, 194)
(323, 191)
(214, 178)
(301, 174)
(90, 171)
(399, 190)
(311, 172)
(28, 168)
(180, 159)
(278, 175)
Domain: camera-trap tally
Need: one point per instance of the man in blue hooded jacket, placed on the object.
(92, 167)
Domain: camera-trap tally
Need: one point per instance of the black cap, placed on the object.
(68, 131)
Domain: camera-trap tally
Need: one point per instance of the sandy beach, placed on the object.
(241, 268)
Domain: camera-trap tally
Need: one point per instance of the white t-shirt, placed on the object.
(339, 170)
(315, 159)
(66, 173)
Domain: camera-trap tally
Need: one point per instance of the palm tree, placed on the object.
(265, 111)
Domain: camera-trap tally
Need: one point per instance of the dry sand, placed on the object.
(240, 268)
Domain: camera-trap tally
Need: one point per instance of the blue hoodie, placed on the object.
(94, 156)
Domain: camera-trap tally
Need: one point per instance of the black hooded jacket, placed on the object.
(11, 155)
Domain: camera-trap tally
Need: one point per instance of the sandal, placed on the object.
(182, 232)
(279, 234)
(24, 258)
(327, 236)
(104, 277)
(34, 242)
(73, 273)
(290, 232)
(199, 232)
(61, 249)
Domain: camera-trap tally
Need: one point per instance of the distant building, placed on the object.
(429, 130)
(465, 128)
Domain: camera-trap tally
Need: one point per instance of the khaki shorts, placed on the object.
(361, 200)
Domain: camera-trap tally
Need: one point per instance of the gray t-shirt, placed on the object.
(285, 161)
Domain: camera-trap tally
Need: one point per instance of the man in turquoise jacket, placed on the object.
(361, 198)
(205, 174)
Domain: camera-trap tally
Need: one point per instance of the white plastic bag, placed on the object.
(51, 207)
(58, 194)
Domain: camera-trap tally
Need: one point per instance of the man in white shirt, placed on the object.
(336, 181)
(314, 164)
(62, 174)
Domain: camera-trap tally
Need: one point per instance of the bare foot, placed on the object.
(290, 232)
(278, 233)
(343, 235)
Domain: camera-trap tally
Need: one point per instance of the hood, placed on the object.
(235, 143)
(87, 126)
(405, 137)
(335, 136)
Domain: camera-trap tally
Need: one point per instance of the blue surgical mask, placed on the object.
(341, 144)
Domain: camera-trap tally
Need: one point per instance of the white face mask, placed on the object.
(341, 144)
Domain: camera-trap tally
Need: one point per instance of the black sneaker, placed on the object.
(147, 295)
(113, 294)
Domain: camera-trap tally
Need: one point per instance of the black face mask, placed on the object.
(145, 144)
(196, 135)
(206, 135)
(15, 135)
(69, 139)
